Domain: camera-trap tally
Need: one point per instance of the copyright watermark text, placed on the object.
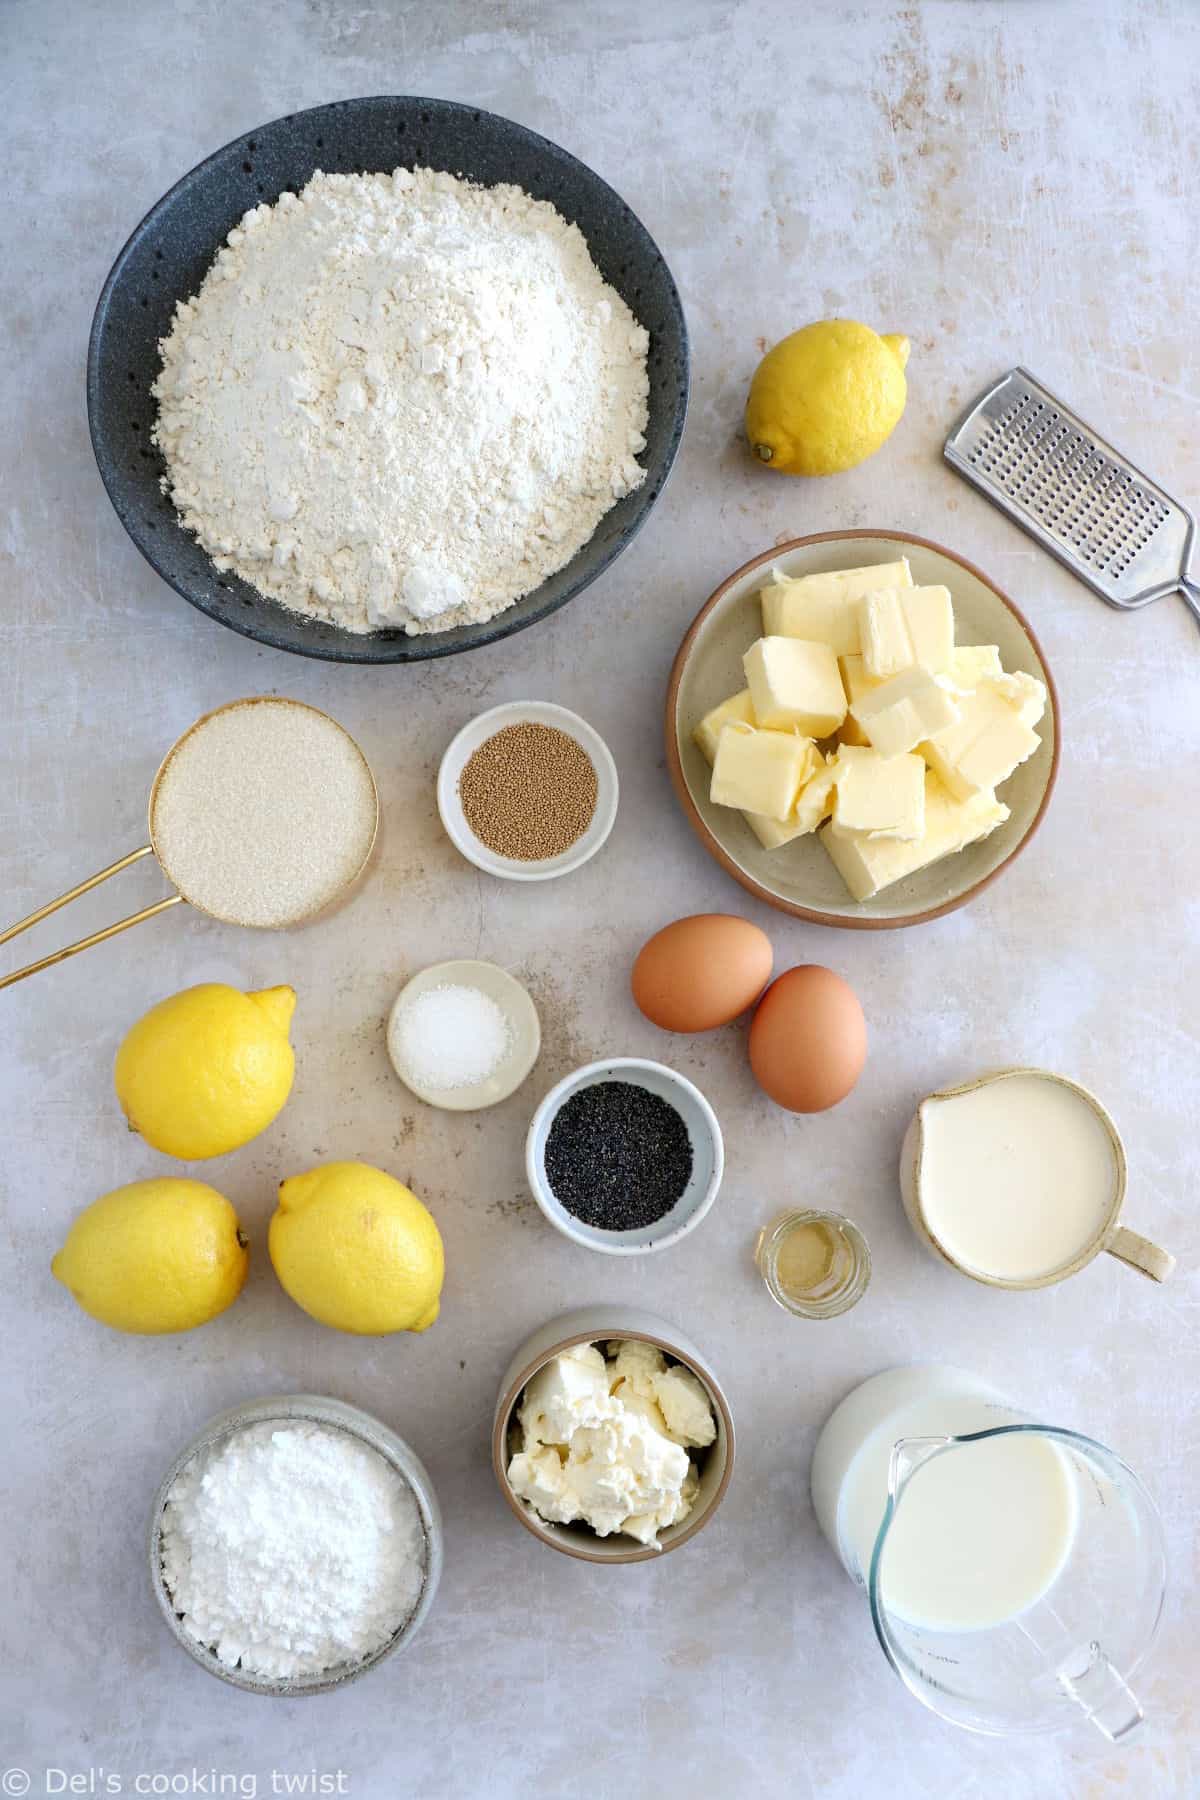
(238, 1785)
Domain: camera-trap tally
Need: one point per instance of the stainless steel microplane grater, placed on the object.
(1084, 502)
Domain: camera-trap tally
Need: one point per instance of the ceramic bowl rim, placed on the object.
(557, 1097)
(319, 1409)
(579, 1550)
(814, 915)
(608, 792)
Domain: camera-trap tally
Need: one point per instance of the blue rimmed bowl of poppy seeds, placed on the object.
(274, 516)
(624, 1156)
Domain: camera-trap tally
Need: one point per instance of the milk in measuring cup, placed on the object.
(984, 1530)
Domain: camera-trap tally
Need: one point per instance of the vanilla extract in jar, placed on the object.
(815, 1264)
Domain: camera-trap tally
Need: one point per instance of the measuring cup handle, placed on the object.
(1130, 1247)
(96, 937)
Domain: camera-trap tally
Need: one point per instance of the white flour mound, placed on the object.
(401, 400)
(292, 1549)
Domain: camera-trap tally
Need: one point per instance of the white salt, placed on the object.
(264, 813)
(448, 1037)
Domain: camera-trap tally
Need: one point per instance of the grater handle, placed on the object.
(1191, 595)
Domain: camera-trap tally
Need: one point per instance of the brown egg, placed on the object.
(701, 972)
(808, 1039)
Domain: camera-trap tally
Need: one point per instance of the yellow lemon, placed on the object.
(162, 1255)
(826, 398)
(208, 1069)
(357, 1250)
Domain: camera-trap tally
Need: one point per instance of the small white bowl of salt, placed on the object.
(463, 1035)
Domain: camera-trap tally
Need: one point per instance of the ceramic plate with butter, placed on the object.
(799, 877)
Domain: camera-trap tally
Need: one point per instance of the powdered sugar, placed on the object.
(292, 1549)
(401, 399)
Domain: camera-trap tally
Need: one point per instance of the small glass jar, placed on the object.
(815, 1264)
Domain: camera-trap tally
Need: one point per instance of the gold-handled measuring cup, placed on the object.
(154, 848)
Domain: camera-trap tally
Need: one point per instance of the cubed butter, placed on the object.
(869, 864)
(773, 834)
(856, 682)
(902, 712)
(824, 608)
(881, 795)
(795, 683)
(760, 771)
(1025, 692)
(736, 710)
(983, 747)
(973, 663)
(815, 800)
(906, 628)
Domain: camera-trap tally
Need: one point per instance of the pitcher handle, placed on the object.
(1147, 1258)
(1102, 1691)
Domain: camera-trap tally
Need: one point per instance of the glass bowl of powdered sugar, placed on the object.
(294, 1544)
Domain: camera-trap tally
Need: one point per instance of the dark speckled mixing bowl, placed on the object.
(169, 253)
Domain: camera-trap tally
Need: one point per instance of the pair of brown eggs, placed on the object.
(808, 1036)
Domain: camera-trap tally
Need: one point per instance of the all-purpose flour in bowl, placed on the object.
(292, 1548)
(401, 400)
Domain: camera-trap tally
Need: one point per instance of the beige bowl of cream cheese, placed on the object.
(1018, 1180)
(603, 1326)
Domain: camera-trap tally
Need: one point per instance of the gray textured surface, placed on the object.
(936, 169)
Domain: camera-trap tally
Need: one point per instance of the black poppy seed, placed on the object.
(617, 1156)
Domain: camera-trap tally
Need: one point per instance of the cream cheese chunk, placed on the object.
(618, 1459)
(881, 795)
(760, 771)
(737, 710)
(795, 683)
(903, 711)
(906, 628)
(867, 864)
(983, 747)
(823, 608)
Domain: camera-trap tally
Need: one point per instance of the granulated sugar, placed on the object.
(264, 813)
(290, 1549)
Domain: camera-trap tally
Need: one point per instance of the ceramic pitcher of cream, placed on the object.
(1018, 1180)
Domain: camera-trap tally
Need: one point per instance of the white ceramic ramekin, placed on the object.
(600, 1325)
(708, 1156)
(477, 732)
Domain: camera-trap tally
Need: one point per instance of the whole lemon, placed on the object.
(826, 398)
(161, 1255)
(208, 1069)
(357, 1250)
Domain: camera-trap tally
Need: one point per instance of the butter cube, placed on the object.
(737, 709)
(869, 864)
(856, 682)
(898, 714)
(983, 747)
(794, 682)
(773, 834)
(973, 663)
(905, 628)
(1025, 692)
(759, 771)
(815, 800)
(823, 608)
(881, 795)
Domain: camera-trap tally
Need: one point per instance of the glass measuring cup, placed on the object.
(286, 779)
(1004, 1617)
